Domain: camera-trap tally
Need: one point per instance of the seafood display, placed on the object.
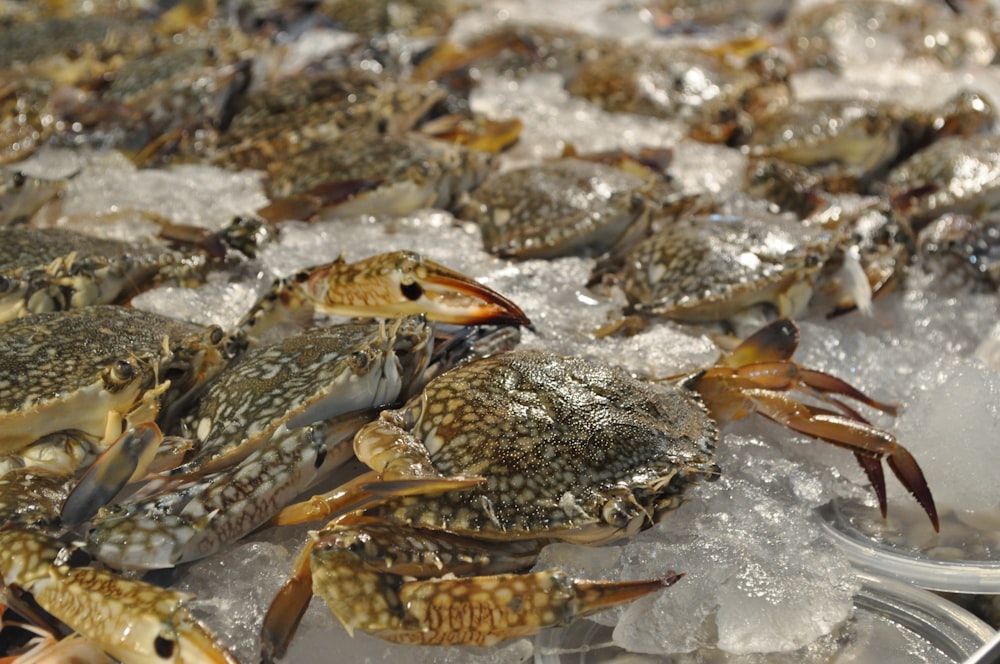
(512, 299)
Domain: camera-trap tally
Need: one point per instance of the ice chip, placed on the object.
(952, 425)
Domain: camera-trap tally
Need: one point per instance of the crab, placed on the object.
(244, 463)
(102, 380)
(95, 371)
(830, 36)
(425, 18)
(21, 196)
(134, 621)
(559, 208)
(849, 144)
(78, 384)
(971, 243)
(743, 261)
(714, 92)
(708, 268)
(362, 172)
(54, 269)
(470, 478)
(299, 113)
(955, 175)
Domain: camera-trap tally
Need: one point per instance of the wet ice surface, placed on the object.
(108, 187)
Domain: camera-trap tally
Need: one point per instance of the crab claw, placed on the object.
(393, 284)
(404, 282)
(758, 377)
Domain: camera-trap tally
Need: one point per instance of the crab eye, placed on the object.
(616, 512)
(122, 371)
(360, 360)
(216, 335)
(6, 284)
(412, 291)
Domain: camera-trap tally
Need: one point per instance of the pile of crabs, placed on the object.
(134, 441)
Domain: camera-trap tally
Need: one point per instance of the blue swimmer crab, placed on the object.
(274, 423)
(849, 144)
(501, 455)
(364, 172)
(958, 175)
(724, 268)
(55, 269)
(564, 207)
(100, 380)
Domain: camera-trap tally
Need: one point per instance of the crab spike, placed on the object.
(873, 470)
(594, 596)
(287, 608)
(128, 458)
(857, 436)
(907, 471)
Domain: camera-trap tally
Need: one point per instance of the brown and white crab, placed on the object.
(500, 456)
(96, 382)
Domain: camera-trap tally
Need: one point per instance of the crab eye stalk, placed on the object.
(121, 372)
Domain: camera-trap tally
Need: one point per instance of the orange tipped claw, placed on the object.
(388, 285)
(402, 283)
(759, 375)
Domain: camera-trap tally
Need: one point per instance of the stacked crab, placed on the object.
(139, 436)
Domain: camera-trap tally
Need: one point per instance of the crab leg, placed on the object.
(364, 491)
(347, 565)
(476, 610)
(860, 437)
(751, 378)
(131, 620)
(188, 520)
(127, 459)
(392, 284)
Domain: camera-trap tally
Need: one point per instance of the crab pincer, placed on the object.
(392, 284)
(757, 376)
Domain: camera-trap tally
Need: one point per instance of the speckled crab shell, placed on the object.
(710, 268)
(569, 449)
(82, 370)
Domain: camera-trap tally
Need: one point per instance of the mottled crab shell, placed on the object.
(710, 268)
(556, 209)
(307, 378)
(302, 112)
(955, 174)
(386, 173)
(569, 449)
(54, 269)
(70, 371)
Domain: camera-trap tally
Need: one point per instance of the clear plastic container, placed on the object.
(963, 558)
(893, 623)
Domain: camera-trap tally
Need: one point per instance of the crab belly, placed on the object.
(91, 411)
